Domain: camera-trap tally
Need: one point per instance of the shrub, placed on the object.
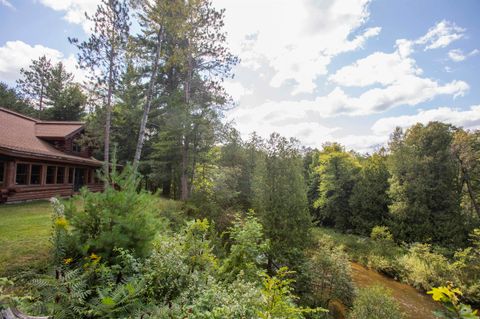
(467, 267)
(118, 217)
(375, 303)
(381, 233)
(248, 249)
(95, 290)
(278, 300)
(449, 297)
(423, 268)
(329, 274)
(166, 272)
(384, 252)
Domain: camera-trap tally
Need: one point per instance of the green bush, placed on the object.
(467, 267)
(381, 233)
(278, 300)
(384, 252)
(329, 274)
(423, 268)
(449, 298)
(118, 217)
(375, 303)
(248, 250)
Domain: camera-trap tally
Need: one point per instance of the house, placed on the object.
(41, 159)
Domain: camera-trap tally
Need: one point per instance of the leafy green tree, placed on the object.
(369, 200)
(11, 99)
(466, 149)
(424, 186)
(127, 113)
(34, 81)
(103, 54)
(69, 105)
(156, 19)
(202, 50)
(329, 275)
(58, 80)
(281, 202)
(338, 173)
(248, 249)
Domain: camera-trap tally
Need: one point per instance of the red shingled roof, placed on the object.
(19, 135)
(55, 130)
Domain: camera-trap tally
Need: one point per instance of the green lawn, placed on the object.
(25, 231)
(24, 234)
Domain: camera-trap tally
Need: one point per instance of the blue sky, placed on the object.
(319, 70)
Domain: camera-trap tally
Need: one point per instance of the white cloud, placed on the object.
(381, 129)
(7, 4)
(74, 10)
(378, 68)
(399, 78)
(236, 89)
(15, 55)
(289, 118)
(457, 55)
(298, 39)
(363, 143)
(469, 119)
(441, 35)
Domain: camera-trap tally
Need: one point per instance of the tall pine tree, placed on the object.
(103, 54)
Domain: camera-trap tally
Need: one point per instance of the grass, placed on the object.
(24, 235)
(357, 247)
(25, 232)
(365, 251)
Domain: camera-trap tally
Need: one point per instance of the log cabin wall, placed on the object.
(40, 159)
(30, 179)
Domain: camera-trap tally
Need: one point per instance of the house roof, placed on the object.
(57, 130)
(24, 136)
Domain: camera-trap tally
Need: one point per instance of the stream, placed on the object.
(413, 303)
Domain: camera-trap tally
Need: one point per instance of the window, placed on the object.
(76, 147)
(71, 171)
(92, 176)
(21, 177)
(51, 174)
(2, 172)
(60, 175)
(36, 174)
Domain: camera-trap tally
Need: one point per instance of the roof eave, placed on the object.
(29, 154)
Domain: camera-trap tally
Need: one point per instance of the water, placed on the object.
(413, 303)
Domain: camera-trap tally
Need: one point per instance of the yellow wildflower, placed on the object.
(61, 222)
(67, 261)
(94, 257)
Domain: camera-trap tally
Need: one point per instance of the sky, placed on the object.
(346, 71)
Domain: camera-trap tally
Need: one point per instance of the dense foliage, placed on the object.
(375, 303)
(172, 275)
(159, 96)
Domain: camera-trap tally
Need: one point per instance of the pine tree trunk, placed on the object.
(184, 174)
(40, 106)
(108, 118)
(194, 157)
(184, 177)
(148, 104)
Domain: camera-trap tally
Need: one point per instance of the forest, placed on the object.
(197, 221)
